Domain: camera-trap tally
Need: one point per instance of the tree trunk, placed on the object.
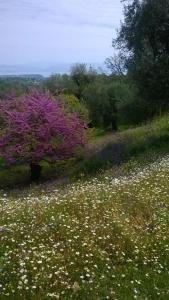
(35, 172)
(114, 125)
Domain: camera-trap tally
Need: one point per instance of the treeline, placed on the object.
(106, 97)
(137, 86)
(18, 85)
(104, 100)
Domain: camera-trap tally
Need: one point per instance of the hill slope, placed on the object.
(105, 238)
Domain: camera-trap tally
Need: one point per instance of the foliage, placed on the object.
(73, 105)
(82, 76)
(101, 101)
(116, 64)
(131, 108)
(58, 84)
(35, 128)
(18, 85)
(109, 99)
(114, 102)
(144, 36)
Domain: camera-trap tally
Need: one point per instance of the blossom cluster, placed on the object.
(35, 127)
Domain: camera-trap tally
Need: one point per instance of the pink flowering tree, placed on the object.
(35, 128)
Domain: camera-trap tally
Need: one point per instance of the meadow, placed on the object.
(101, 237)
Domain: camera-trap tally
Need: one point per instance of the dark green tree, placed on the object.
(144, 40)
(101, 102)
(58, 84)
(82, 76)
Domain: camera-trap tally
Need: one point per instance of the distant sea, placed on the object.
(44, 69)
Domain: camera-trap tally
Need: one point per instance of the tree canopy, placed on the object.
(144, 41)
(36, 127)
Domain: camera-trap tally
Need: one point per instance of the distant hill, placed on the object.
(24, 76)
(42, 69)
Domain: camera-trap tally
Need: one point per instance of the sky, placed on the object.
(57, 31)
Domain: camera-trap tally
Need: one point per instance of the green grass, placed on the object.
(140, 145)
(103, 238)
(105, 150)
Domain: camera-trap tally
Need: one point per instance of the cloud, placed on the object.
(57, 30)
(95, 13)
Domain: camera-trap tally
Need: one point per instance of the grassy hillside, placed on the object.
(101, 237)
(105, 151)
(142, 144)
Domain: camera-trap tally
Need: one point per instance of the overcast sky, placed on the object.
(52, 31)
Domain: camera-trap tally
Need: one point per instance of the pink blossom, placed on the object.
(35, 127)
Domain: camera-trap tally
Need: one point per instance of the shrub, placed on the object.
(73, 105)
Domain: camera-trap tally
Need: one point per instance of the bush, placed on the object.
(73, 105)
